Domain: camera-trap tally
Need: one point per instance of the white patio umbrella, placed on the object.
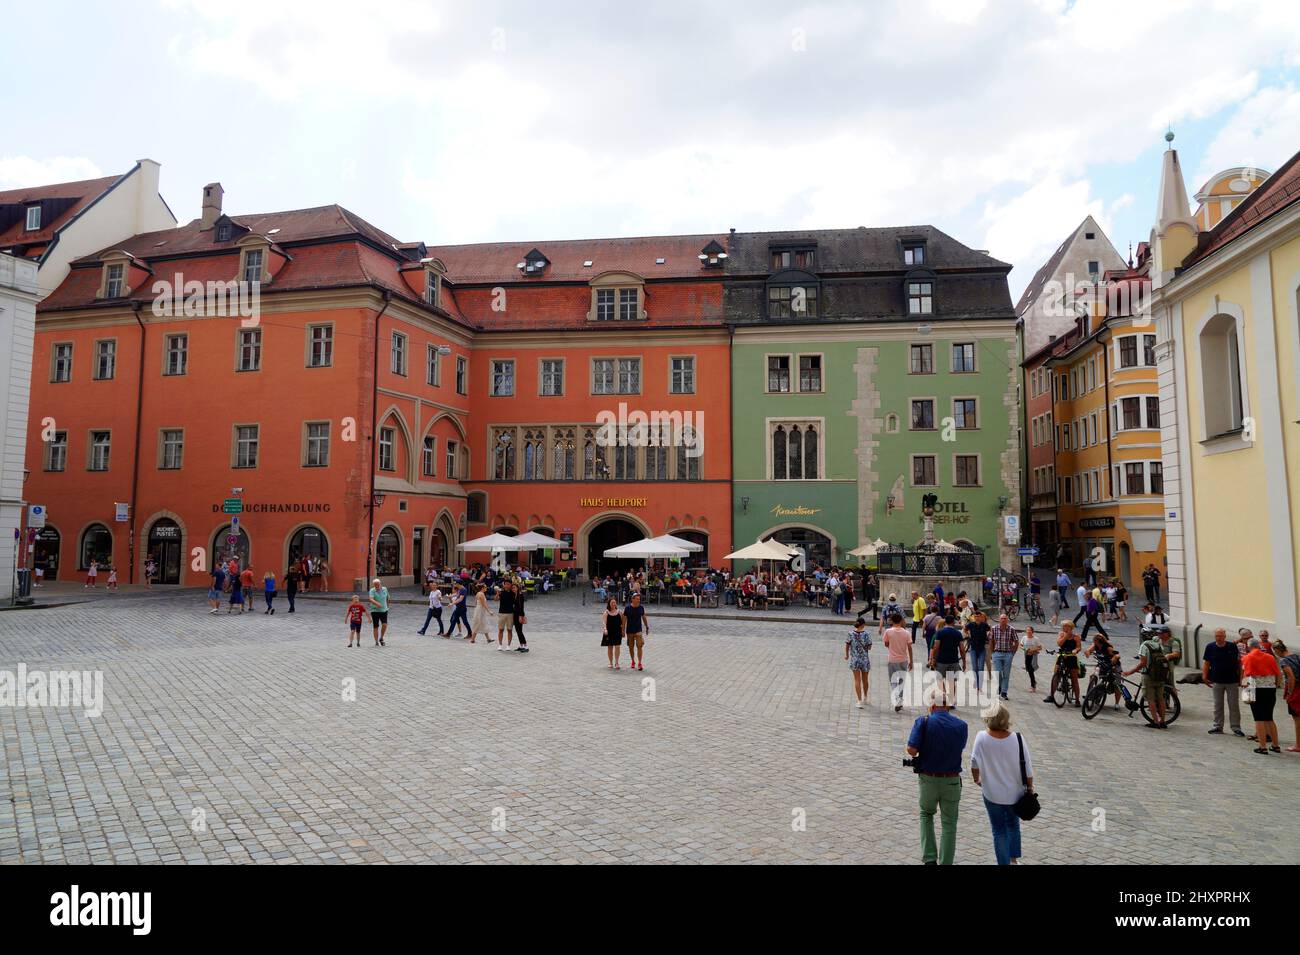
(780, 551)
(493, 542)
(756, 551)
(866, 550)
(647, 548)
(945, 547)
(879, 544)
(535, 541)
(681, 542)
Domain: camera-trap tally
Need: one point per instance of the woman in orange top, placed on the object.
(1259, 669)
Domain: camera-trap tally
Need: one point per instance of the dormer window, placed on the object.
(432, 287)
(254, 260)
(712, 255)
(914, 253)
(114, 277)
(793, 259)
(223, 232)
(534, 263)
(920, 298)
(33, 218)
(617, 296)
(791, 301)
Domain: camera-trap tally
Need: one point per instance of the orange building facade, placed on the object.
(375, 403)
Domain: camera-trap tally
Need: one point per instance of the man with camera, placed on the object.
(935, 746)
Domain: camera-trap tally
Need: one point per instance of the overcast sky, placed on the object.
(1000, 122)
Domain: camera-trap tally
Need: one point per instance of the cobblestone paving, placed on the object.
(242, 722)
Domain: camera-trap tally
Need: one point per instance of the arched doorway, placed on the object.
(388, 553)
(308, 541)
(165, 549)
(542, 558)
(226, 544)
(439, 548)
(613, 532)
(510, 557)
(817, 547)
(46, 555)
(698, 558)
(96, 545)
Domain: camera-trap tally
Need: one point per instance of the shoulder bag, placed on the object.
(1027, 806)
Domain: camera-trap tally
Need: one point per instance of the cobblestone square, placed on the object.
(229, 740)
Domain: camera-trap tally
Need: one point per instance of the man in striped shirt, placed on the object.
(1006, 641)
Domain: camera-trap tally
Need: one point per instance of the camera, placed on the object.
(913, 763)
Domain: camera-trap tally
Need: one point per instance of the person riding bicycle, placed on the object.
(1157, 675)
(1067, 662)
(1108, 660)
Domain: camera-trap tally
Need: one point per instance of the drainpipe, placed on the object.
(135, 457)
(374, 423)
(1110, 438)
(731, 424)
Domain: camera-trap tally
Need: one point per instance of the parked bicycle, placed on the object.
(1108, 680)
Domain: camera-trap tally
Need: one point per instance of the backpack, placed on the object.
(1157, 664)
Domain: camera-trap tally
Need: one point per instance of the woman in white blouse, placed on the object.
(995, 767)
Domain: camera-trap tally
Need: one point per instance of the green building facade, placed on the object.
(896, 379)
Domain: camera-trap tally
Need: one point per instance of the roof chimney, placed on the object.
(212, 194)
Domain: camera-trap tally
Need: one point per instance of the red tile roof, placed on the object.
(1277, 192)
(83, 193)
(497, 262)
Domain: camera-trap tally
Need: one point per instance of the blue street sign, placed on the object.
(1028, 551)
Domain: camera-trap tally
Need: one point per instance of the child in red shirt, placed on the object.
(356, 614)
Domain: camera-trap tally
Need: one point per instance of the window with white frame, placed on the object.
(1149, 349)
(963, 357)
(1222, 398)
(1128, 351)
(61, 362)
(101, 443)
(1134, 478)
(432, 366)
(176, 354)
(503, 378)
(552, 377)
(318, 445)
(172, 449)
(810, 373)
(114, 280)
(320, 346)
(920, 298)
(1156, 477)
(778, 374)
(397, 354)
(682, 375)
(387, 449)
(247, 438)
(922, 418)
(105, 359)
(56, 452)
(33, 218)
(429, 456)
(449, 465)
(253, 259)
(616, 376)
(922, 359)
(925, 470)
(963, 413)
(462, 375)
(250, 349)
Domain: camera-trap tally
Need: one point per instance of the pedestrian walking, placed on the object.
(1054, 603)
(919, 608)
(1092, 609)
(111, 584)
(611, 632)
(246, 584)
(520, 620)
(1289, 664)
(899, 647)
(150, 570)
(459, 613)
(505, 614)
(323, 571)
(948, 654)
(1063, 588)
(1005, 644)
(218, 575)
(236, 594)
(935, 745)
(857, 651)
(636, 627)
(378, 601)
(291, 579)
(92, 575)
(1260, 678)
(355, 615)
(435, 611)
(1032, 647)
(479, 622)
(977, 640)
(1221, 672)
(268, 591)
(1000, 765)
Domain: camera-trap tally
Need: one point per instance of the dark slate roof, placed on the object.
(856, 250)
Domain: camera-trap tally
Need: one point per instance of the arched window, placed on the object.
(891, 424)
(96, 545)
(596, 465)
(795, 465)
(1222, 394)
(503, 456)
(308, 542)
(564, 456)
(656, 454)
(624, 462)
(810, 452)
(223, 548)
(388, 553)
(534, 456)
(778, 453)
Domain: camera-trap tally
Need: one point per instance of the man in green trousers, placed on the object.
(935, 745)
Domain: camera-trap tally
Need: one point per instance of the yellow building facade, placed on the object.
(1226, 302)
(1106, 412)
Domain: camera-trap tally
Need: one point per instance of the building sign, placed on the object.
(121, 512)
(948, 512)
(277, 508)
(36, 516)
(1096, 523)
(780, 510)
(1011, 528)
(613, 501)
(165, 531)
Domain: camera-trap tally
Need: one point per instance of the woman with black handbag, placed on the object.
(1001, 767)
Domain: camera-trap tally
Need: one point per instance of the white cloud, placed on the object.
(17, 172)
(1264, 132)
